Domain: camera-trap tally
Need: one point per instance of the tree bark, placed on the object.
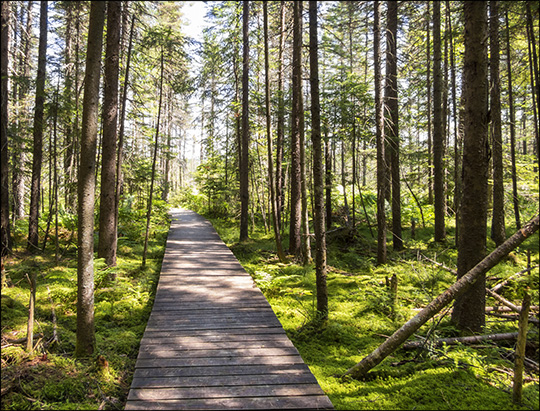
(107, 222)
(280, 119)
(498, 233)
(392, 123)
(244, 152)
(512, 126)
(318, 169)
(295, 241)
(379, 121)
(469, 308)
(5, 230)
(154, 160)
(429, 104)
(86, 339)
(35, 187)
(275, 218)
(459, 287)
(438, 128)
(120, 152)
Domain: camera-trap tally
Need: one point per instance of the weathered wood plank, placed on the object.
(218, 361)
(222, 370)
(192, 345)
(158, 351)
(316, 402)
(177, 393)
(226, 380)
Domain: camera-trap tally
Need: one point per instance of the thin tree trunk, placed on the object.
(318, 170)
(458, 288)
(498, 233)
(295, 242)
(275, 218)
(154, 160)
(512, 126)
(379, 121)
(428, 81)
(120, 153)
(33, 220)
(107, 210)
(19, 154)
(438, 128)
(244, 152)
(5, 230)
(280, 201)
(392, 123)
(306, 244)
(86, 339)
(469, 308)
(536, 74)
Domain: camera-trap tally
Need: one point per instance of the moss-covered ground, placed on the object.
(51, 377)
(453, 377)
(360, 317)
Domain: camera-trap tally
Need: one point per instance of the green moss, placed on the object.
(454, 377)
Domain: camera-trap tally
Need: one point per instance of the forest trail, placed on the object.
(212, 340)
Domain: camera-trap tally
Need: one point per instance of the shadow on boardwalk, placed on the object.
(212, 341)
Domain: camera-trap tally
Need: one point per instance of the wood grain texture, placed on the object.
(212, 341)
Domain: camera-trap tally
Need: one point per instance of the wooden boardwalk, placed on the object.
(212, 340)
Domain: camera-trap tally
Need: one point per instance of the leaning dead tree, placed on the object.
(410, 327)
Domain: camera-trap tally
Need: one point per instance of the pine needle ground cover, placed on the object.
(51, 378)
(450, 377)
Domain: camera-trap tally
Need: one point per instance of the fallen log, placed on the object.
(460, 286)
(502, 309)
(504, 301)
(502, 284)
(464, 340)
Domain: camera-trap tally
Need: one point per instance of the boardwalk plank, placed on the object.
(212, 340)
(319, 402)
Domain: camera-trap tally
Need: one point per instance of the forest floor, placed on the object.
(360, 318)
(452, 377)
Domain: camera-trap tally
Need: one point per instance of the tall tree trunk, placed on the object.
(5, 230)
(498, 233)
(512, 126)
(392, 123)
(280, 200)
(120, 153)
(429, 105)
(86, 339)
(306, 243)
(533, 69)
(244, 152)
(536, 74)
(107, 228)
(318, 169)
(379, 122)
(469, 308)
(295, 241)
(18, 152)
(457, 131)
(154, 161)
(438, 128)
(275, 219)
(33, 220)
